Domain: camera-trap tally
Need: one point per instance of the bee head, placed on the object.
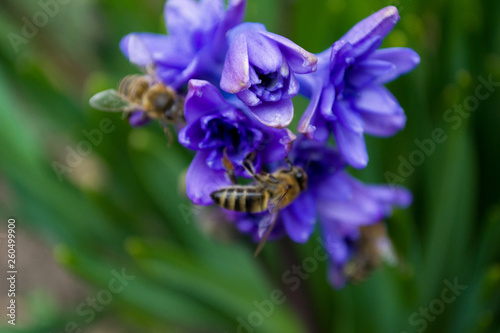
(161, 98)
(162, 101)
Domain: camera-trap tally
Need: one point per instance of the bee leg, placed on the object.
(248, 166)
(167, 131)
(228, 165)
(170, 138)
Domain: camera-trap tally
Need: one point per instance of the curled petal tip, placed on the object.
(312, 61)
(390, 11)
(307, 129)
(378, 24)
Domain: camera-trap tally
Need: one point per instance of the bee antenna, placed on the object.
(250, 156)
(290, 165)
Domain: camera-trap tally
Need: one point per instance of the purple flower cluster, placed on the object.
(240, 82)
(347, 96)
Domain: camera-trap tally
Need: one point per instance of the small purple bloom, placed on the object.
(215, 125)
(138, 119)
(195, 46)
(260, 69)
(347, 93)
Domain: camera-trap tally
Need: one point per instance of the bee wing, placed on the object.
(109, 100)
(387, 252)
(264, 225)
(267, 224)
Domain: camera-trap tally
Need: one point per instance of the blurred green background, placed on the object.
(122, 207)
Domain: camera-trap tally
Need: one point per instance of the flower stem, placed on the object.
(298, 293)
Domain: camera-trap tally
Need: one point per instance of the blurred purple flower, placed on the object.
(347, 93)
(195, 46)
(343, 212)
(260, 69)
(215, 125)
(138, 118)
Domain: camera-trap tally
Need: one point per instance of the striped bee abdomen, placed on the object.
(134, 87)
(241, 199)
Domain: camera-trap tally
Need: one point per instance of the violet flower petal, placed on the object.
(274, 114)
(377, 100)
(335, 188)
(201, 180)
(248, 97)
(349, 118)
(393, 195)
(383, 125)
(138, 118)
(306, 121)
(299, 218)
(235, 75)
(263, 53)
(202, 98)
(369, 70)
(327, 103)
(299, 60)
(184, 16)
(191, 136)
(233, 16)
(142, 49)
(378, 24)
(339, 60)
(352, 146)
(403, 59)
(276, 144)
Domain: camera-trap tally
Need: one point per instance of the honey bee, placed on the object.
(270, 192)
(143, 93)
(371, 249)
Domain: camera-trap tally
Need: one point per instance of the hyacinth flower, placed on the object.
(195, 46)
(347, 94)
(196, 43)
(340, 203)
(260, 69)
(217, 128)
